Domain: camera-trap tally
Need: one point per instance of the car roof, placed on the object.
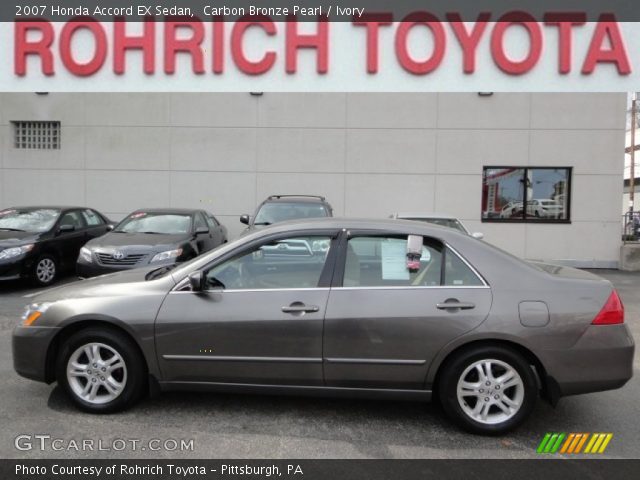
(177, 211)
(443, 216)
(296, 198)
(47, 207)
(391, 225)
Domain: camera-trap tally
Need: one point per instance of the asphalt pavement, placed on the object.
(247, 426)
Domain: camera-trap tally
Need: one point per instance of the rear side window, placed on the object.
(92, 218)
(457, 273)
(381, 261)
(72, 218)
(211, 220)
(200, 222)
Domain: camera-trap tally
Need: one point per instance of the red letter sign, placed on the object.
(402, 50)
(247, 66)
(319, 41)
(190, 45)
(515, 67)
(41, 47)
(373, 22)
(66, 50)
(607, 27)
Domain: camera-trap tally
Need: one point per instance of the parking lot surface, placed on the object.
(234, 426)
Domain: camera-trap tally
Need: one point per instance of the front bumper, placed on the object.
(30, 348)
(13, 269)
(602, 359)
(87, 270)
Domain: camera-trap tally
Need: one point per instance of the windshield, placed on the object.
(443, 222)
(35, 221)
(163, 223)
(279, 212)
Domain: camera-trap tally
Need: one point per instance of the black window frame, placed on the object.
(524, 218)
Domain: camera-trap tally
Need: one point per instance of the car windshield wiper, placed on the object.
(262, 223)
(12, 229)
(153, 233)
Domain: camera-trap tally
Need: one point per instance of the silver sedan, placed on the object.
(367, 308)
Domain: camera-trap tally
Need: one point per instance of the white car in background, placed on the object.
(438, 219)
(544, 208)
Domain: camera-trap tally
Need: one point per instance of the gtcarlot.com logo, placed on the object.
(574, 443)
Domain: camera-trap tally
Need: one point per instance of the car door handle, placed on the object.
(298, 307)
(455, 306)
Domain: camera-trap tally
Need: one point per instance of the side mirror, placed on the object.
(478, 235)
(196, 280)
(110, 227)
(244, 219)
(201, 230)
(66, 228)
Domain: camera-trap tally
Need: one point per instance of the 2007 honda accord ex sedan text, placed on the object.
(387, 309)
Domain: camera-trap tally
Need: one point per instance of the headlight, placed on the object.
(168, 255)
(321, 246)
(15, 251)
(86, 255)
(33, 312)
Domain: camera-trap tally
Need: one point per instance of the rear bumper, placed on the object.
(30, 348)
(602, 359)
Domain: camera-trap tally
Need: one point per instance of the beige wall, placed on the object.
(370, 154)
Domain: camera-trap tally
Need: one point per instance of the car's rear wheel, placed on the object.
(45, 271)
(488, 390)
(101, 370)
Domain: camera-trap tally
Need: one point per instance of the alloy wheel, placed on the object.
(96, 373)
(490, 391)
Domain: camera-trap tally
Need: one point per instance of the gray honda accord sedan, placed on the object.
(366, 308)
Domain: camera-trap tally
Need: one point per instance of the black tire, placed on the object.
(454, 368)
(135, 386)
(40, 280)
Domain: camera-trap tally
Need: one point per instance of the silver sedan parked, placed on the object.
(386, 309)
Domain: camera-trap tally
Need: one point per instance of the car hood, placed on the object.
(11, 239)
(125, 283)
(136, 242)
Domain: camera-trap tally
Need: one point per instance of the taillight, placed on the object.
(612, 313)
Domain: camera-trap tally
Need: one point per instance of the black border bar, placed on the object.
(65, 10)
(563, 468)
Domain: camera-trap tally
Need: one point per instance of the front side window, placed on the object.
(159, 223)
(36, 221)
(282, 211)
(295, 262)
(531, 194)
(382, 262)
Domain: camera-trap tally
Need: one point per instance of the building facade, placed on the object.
(474, 156)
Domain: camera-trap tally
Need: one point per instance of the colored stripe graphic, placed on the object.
(573, 443)
(543, 443)
(551, 443)
(598, 443)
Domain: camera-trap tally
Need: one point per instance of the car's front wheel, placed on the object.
(488, 390)
(102, 370)
(45, 271)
